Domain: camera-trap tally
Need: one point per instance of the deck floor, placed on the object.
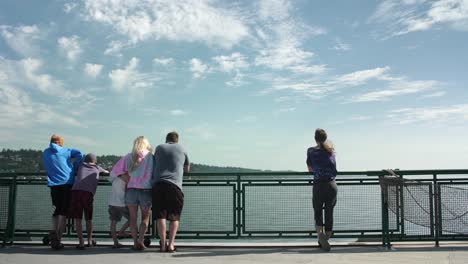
(453, 253)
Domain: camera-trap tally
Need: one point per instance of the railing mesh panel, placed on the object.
(278, 208)
(208, 208)
(359, 207)
(33, 207)
(4, 205)
(454, 208)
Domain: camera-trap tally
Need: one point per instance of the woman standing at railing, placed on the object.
(321, 162)
(137, 169)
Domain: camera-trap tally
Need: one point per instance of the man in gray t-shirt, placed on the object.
(170, 163)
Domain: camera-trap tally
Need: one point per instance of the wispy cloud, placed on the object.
(202, 21)
(453, 113)
(281, 36)
(341, 46)
(22, 39)
(68, 7)
(362, 76)
(233, 62)
(163, 61)
(70, 47)
(285, 110)
(397, 88)
(177, 112)
(406, 16)
(92, 70)
(393, 85)
(18, 110)
(436, 94)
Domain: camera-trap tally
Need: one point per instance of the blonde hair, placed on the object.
(139, 144)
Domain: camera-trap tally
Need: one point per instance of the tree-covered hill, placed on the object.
(29, 160)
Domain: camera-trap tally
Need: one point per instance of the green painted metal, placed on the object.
(239, 182)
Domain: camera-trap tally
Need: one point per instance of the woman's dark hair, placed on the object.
(321, 138)
(320, 135)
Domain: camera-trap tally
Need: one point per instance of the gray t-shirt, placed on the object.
(169, 161)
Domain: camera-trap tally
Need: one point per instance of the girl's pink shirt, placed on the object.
(141, 176)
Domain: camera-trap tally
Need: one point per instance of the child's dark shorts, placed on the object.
(116, 213)
(81, 201)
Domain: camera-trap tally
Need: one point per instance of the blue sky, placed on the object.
(245, 83)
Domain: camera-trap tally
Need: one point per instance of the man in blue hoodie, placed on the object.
(60, 177)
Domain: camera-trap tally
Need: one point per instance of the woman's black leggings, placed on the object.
(324, 193)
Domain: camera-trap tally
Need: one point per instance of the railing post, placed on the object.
(239, 206)
(11, 222)
(437, 213)
(385, 221)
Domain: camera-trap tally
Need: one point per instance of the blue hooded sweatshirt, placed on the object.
(57, 162)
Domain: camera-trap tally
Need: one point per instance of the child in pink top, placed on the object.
(136, 168)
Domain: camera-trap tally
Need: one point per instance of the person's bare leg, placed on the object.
(133, 211)
(79, 232)
(173, 227)
(123, 228)
(113, 227)
(162, 233)
(89, 230)
(143, 225)
(328, 233)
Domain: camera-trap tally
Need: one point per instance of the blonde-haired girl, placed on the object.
(136, 168)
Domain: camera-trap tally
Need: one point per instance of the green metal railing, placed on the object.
(268, 204)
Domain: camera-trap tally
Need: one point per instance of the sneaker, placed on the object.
(323, 242)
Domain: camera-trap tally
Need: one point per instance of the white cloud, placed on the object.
(280, 36)
(22, 39)
(163, 61)
(70, 47)
(130, 79)
(198, 69)
(403, 16)
(68, 7)
(18, 110)
(436, 94)
(92, 70)
(122, 78)
(315, 89)
(114, 48)
(27, 75)
(233, 62)
(177, 112)
(237, 81)
(452, 113)
(192, 21)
